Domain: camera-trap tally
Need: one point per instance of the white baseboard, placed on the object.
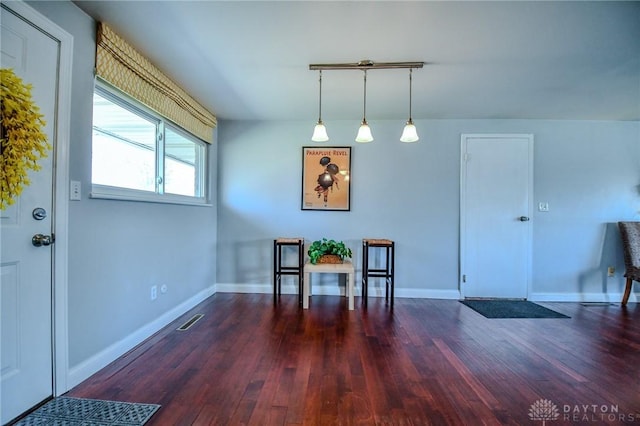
(331, 290)
(254, 288)
(420, 293)
(84, 370)
(268, 289)
(579, 297)
(426, 293)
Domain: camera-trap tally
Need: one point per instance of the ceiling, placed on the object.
(249, 60)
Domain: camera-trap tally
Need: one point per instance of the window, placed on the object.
(138, 155)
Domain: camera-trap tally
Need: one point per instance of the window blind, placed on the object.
(121, 65)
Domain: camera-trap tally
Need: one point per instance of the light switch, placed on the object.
(75, 192)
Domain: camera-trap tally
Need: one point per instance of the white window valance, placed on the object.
(122, 66)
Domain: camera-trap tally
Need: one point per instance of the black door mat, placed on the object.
(94, 412)
(511, 309)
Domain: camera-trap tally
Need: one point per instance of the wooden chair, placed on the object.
(630, 233)
(279, 269)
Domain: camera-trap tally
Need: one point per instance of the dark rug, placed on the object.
(90, 412)
(511, 309)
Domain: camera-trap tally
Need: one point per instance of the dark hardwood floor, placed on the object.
(426, 362)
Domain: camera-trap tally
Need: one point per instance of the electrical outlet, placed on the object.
(543, 207)
(611, 271)
(154, 292)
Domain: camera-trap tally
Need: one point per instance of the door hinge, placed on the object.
(464, 278)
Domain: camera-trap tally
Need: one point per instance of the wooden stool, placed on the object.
(279, 269)
(387, 272)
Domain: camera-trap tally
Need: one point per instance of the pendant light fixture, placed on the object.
(320, 132)
(364, 132)
(409, 134)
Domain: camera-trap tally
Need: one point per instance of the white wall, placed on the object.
(588, 172)
(119, 249)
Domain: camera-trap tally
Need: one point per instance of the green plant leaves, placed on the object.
(324, 246)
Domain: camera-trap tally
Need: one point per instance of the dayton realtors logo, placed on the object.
(544, 410)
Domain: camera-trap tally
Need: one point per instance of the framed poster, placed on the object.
(326, 178)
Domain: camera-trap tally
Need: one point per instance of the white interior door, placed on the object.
(496, 207)
(26, 372)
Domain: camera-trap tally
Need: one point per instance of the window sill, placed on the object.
(121, 194)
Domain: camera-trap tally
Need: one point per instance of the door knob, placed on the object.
(40, 240)
(523, 219)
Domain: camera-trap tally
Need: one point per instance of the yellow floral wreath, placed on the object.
(22, 142)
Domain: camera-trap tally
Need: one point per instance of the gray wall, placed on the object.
(119, 249)
(588, 172)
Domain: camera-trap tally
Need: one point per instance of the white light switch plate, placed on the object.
(75, 191)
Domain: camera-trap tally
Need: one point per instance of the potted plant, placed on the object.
(328, 251)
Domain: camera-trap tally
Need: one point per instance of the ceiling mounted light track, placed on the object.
(367, 64)
(409, 134)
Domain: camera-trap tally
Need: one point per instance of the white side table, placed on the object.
(328, 268)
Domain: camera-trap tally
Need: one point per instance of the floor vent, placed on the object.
(188, 324)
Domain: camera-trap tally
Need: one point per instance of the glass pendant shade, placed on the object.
(364, 133)
(410, 133)
(320, 133)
